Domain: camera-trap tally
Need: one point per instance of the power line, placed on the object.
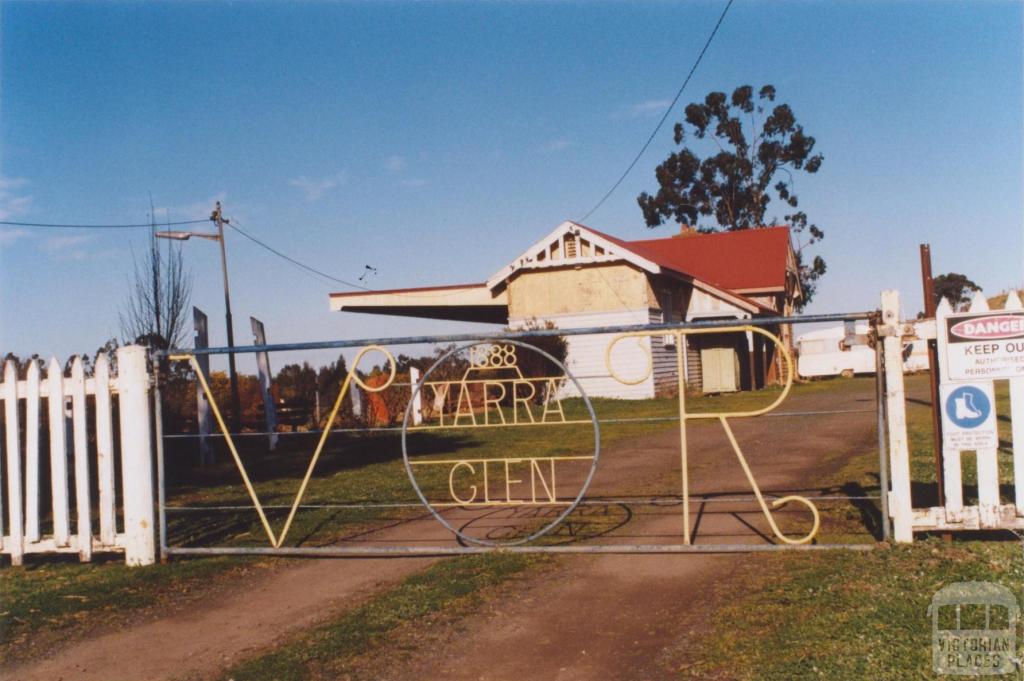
(47, 225)
(234, 225)
(664, 117)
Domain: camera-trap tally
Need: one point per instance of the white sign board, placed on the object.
(968, 416)
(983, 345)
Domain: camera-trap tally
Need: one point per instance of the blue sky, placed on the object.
(435, 141)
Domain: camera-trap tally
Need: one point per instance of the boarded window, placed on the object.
(570, 246)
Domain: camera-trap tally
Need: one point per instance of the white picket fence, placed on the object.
(989, 512)
(22, 531)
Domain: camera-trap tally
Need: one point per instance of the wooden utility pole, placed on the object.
(236, 409)
(933, 367)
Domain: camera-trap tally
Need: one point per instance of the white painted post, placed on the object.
(104, 450)
(951, 468)
(13, 464)
(136, 455)
(1013, 302)
(987, 459)
(899, 453)
(32, 453)
(83, 500)
(417, 401)
(58, 453)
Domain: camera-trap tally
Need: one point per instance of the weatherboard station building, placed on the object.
(579, 277)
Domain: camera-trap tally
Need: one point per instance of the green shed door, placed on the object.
(720, 370)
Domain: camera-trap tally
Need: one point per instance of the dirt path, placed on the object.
(629, 616)
(603, 617)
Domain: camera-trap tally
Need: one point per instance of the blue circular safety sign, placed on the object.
(968, 407)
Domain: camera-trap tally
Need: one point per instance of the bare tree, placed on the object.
(155, 313)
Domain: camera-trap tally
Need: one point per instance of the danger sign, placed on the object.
(984, 345)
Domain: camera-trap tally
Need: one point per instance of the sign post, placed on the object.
(203, 420)
(259, 337)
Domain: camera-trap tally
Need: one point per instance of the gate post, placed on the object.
(136, 455)
(895, 398)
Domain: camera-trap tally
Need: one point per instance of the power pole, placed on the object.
(236, 408)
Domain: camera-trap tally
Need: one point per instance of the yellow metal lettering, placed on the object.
(441, 391)
(493, 402)
(722, 417)
(535, 473)
(509, 482)
(487, 492)
(551, 389)
(525, 400)
(549, 496)
(464, 392)
(451, 482)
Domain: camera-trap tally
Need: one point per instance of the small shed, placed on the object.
(576, 277)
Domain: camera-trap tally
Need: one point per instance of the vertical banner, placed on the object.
(259, 337)
(203, 423)
(357, 401)
(417, 401)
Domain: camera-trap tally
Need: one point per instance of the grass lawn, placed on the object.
(844, 615)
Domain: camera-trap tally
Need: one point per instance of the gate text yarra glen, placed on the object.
(496, 402)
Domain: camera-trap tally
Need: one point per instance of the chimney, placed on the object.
(685, 230)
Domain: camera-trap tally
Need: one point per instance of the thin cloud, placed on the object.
(396, 164)
(9, 236)
(56, 244)
(555, 146)
(648, 107)
(13, 203)
(314, 188)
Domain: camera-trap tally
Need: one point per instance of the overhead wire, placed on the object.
(664, 116)
(50, 225)
(233, 225)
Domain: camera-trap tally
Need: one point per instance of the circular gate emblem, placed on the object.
(487, 385)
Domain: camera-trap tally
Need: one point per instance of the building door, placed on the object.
(720, 368)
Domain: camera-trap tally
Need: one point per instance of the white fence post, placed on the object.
(104, 450)
(1017, 421)
(417, 401)
(58, 453)
(136, 455)
(986, 459)
(32, 452)
(83, 499)
(14, 500)
(951, 468)
(899, 453)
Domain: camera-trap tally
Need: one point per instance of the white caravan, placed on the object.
(823, 353)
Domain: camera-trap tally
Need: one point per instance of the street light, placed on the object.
(219, 236)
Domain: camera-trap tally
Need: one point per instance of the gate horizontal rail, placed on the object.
(532, 333)
(397, 551)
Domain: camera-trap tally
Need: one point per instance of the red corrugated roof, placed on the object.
(752, 259)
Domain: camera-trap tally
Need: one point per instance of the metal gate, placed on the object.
(539, 430)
